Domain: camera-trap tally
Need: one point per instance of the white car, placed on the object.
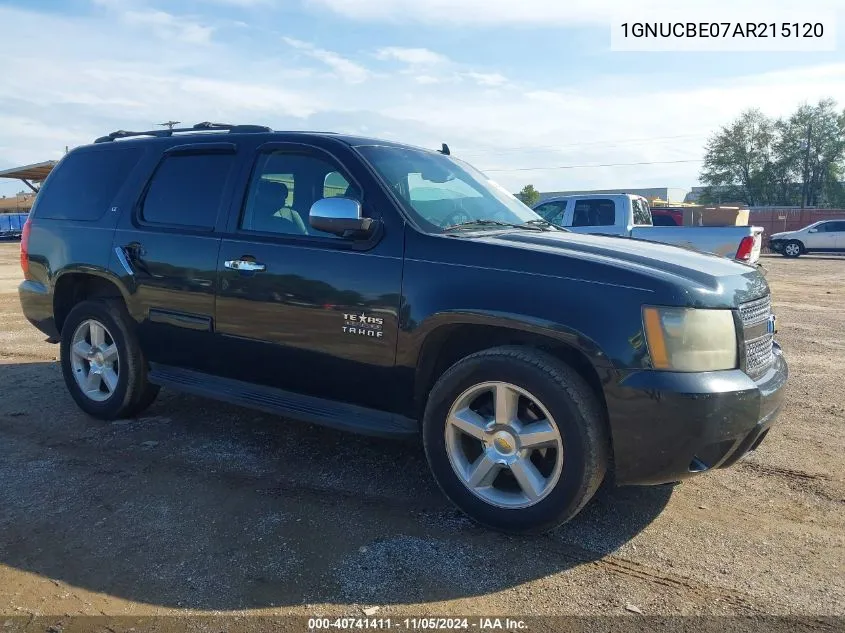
(826, 236)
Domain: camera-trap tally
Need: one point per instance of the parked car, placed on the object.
(425, 301)
(826, 236)
(11, 224)
(630, 215)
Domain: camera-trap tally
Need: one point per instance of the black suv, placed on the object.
(397, 291)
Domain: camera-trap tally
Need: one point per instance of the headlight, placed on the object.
(690, 339)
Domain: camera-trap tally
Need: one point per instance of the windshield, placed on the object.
(442, 192)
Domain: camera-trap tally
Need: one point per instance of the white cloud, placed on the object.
(167, 26)
(112, 75)
(345, 69)
(552, 13)
(487, 79)
(412, 56)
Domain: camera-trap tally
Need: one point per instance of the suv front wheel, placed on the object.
(516, 439)
(793, 248)
(102, 363)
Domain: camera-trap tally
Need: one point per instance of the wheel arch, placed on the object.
(452, 337)
(72, 286)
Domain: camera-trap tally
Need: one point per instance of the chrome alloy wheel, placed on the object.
(94, 360)
(792, 250)
(504, 445)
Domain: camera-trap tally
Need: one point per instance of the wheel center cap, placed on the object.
(504, 442)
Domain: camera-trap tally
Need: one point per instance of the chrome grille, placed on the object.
(755, 311)
(758, 354)
(758, 345)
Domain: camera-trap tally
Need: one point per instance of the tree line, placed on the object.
(797, 160)
(758, 160)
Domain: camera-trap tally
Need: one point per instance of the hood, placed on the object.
(700, 278)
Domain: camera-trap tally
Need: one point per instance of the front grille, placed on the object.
(758, 344)
(758, 354)
(756, 311)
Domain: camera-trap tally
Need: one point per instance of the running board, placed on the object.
(337, 415)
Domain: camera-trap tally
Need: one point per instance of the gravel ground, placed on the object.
(199, 507)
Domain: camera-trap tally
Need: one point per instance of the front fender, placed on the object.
(426, 332)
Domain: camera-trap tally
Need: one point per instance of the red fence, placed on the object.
(779, 219)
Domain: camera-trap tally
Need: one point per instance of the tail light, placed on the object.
(27, 226)
(746, 246)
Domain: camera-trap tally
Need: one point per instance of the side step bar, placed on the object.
(337, 415)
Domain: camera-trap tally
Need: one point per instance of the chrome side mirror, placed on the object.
(340, 216)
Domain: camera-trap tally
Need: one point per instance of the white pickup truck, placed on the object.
(630, 215)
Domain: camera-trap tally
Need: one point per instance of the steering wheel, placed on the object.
(457, 216)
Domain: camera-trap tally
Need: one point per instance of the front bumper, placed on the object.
(668, 426)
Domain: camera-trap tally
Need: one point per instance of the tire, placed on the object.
(122, 392)
(546, 388)
(793, 248)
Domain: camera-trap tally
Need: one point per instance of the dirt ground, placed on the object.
(199, 507)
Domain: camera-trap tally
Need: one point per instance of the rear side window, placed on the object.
(598, 212)
(84, 185)
(187, 190)
(642, 214)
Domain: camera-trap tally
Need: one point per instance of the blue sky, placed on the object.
(509, 85)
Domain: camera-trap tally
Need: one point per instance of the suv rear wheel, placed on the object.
(516, 439)
(102, 364)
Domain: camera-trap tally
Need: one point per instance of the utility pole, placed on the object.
(806, 192)
(169, 124)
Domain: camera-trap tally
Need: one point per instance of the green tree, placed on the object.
(796, 160)
(737, 159)
(811, 149)
(529, 195)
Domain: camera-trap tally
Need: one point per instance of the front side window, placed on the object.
(282, 189)
(552, 211)
(835, 227)
(442, 192)
(187, 190)
(596, 212)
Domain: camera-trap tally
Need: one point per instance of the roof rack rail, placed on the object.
(205, 126)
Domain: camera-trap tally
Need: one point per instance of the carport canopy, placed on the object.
(30, 175)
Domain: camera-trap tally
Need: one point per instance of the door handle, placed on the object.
(244, 264)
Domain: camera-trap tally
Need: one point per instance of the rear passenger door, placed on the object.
(168, 246)
(318, 313)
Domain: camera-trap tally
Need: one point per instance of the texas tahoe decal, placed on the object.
(363, 325)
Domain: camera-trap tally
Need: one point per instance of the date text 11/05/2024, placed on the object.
(431, 623)
(723, 29)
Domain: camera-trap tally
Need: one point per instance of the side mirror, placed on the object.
(813, 231)
(339, 216)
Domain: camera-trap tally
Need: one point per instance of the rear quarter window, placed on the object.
(84, 185)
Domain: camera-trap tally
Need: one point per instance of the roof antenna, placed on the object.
(445, 150)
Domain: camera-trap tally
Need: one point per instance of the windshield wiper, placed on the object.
(475, 223)
(547, 224)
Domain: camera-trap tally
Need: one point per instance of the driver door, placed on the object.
(299, 309)
(821, 237)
